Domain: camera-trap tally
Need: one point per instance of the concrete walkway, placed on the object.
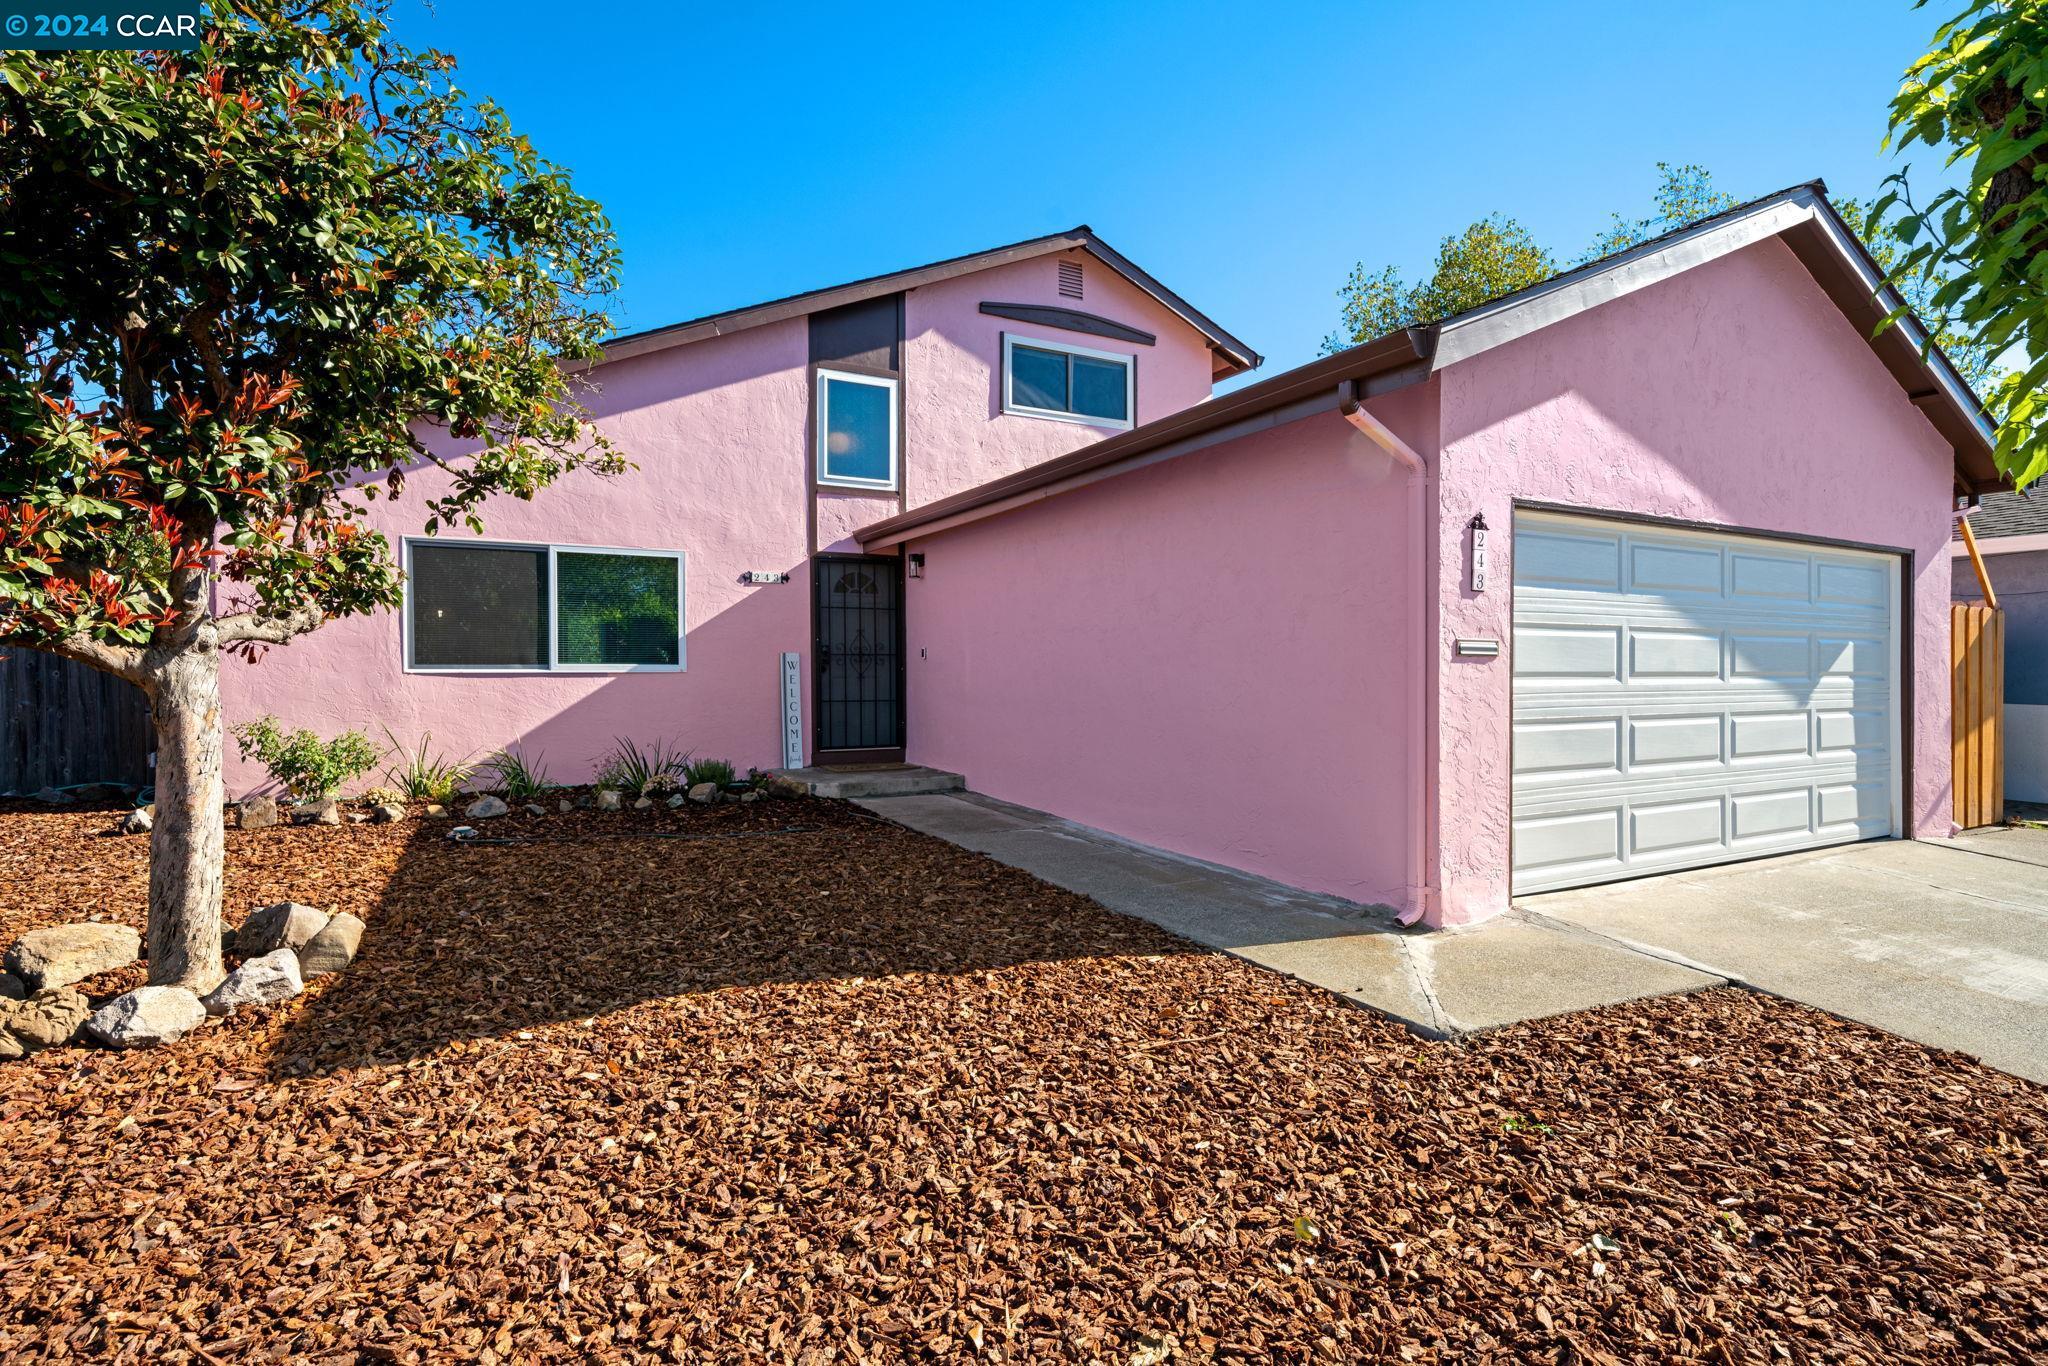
(1440, 985)
(1945, 943)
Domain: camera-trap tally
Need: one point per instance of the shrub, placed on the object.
(301, 761)
(381, 796)
(708, 771)
(521, 779)
(425, 776)
(628, 768)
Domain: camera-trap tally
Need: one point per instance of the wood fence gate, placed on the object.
(1977, 712)
(63, 723)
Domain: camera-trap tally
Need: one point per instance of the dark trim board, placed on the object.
(1070, 320)
(1691, 524)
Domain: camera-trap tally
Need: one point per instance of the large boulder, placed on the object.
(146, 1017)
(334, 948)
(45, 1020)
(484, 808)
(255, 813)
(58, 955)
(258, 982)
(287, 925)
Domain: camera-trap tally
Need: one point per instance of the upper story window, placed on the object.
(479, 606)
(856, 430)
(1069, 383)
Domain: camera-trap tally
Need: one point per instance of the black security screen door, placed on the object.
(858, 657)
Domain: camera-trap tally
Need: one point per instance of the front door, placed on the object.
(857, 648)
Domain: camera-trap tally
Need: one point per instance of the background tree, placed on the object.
(1684, 194)
(234, 285)
(1495, 256)
(1978, 251)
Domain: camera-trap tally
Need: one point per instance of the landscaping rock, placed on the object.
(565, 806)
(436, 811)
(146, 1017)
(535, 809)
(643, 804)
(779, 786)
(136, 822)
(256, 813)
(677, 800)
(752, 797)
(704, 793)
(287, 925)
(58, 955)
(484, 808)
(607, 800)
(387, 813)
(11, 988)
(259, 982)
(46, 1019)
(52, 797)
(320, 811)
(334, 948)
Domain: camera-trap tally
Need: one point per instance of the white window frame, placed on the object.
(1011, 341)
(824, 423)
(554, 665)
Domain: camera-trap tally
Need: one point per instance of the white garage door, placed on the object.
(1683, 698)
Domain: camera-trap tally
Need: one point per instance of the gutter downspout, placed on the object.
(1424, 892)
(1977, 561)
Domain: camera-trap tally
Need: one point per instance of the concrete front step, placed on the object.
(875, 780)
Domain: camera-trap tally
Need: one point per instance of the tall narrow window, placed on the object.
(856, 430)
(1069, 383)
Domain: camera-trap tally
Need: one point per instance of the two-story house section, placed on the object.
(659, 604)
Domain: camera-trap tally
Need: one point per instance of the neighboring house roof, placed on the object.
(1800, 215)
(1232, 356)
(2009, 514)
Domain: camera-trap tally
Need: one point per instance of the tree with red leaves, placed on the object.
(238, 286)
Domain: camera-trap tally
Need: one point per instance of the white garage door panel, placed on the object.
(1684, 698)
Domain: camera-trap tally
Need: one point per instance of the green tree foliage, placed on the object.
(1494, 256)
(1684, 194)
(1497, 256)
(1978, 250)
(236, 286)
(1977, 364)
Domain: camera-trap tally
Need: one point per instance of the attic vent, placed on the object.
(1070, 279)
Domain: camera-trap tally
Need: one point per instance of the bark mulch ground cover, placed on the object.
(791, 1084)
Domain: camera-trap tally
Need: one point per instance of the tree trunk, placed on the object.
(187, 841)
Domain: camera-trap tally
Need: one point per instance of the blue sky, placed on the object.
(1247, 155)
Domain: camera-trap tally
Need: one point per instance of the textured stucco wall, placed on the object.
(956, 433)
(719, 443)
(719, 431)
(1734, 394)
(1209, 655)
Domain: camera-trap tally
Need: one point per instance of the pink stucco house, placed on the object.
(1642, 568)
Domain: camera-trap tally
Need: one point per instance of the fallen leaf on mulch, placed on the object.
(786, 1083)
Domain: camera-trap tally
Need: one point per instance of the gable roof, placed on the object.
(2009, 514)
(1231, 356)
(1800, 215)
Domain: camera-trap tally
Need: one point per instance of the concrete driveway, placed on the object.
(1944, 942)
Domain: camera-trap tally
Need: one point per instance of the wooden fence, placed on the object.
(1977, 712)
(63, 723)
